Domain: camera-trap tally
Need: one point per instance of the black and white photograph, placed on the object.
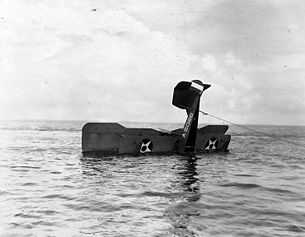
(152, 118)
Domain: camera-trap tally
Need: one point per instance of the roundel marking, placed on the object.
(211, 144)
(146, 146)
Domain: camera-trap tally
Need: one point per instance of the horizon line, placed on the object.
(148, 122)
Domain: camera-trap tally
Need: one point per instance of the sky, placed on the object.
(119, 60)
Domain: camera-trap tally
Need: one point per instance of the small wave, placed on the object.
(45, 223)
(94, 207)
(29, 184)
(295, 166)
(241, 185)
(24, 167)
(57, 130)
(64, 186)
(149, 194)
(5, 193)
(39, 150)
(256, 186)
(160, 194)
(27, 149)
(27, 216)
(55, 172)
(283, 214)
(245, 175)
(295, 228)
(59, 196)
(25, 226)
(48, 212)
(278, 190)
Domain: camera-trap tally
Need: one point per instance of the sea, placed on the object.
(47, 188)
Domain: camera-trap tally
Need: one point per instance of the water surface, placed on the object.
(47, 188)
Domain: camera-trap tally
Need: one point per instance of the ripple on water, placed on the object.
(49, 189)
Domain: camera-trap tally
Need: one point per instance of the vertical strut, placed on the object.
(187, 96)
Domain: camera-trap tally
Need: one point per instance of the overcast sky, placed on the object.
(120, 60)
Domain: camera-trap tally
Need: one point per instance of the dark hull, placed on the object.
(104, 139)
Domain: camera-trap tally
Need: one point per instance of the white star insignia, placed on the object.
(145, 145)
(212, 145)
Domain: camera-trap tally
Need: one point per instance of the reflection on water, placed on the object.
(180, 188)
(183, 207)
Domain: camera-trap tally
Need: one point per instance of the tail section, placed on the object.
(187, 96)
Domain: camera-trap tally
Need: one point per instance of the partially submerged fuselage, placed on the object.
(115, 139)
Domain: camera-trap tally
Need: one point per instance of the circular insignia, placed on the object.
(211, 144)
(146, 146)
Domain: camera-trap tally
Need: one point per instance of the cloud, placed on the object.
(92, 70)
(60, 59)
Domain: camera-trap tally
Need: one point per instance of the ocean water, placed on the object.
(47, 188)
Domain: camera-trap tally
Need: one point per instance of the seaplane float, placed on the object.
(104, 139)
